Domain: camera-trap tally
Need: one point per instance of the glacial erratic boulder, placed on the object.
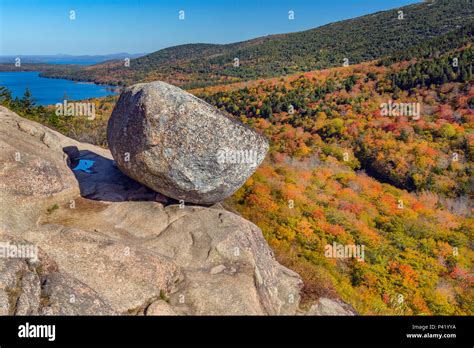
(180, 146)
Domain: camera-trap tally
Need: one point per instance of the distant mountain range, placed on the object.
(68, 58)
(355, 40)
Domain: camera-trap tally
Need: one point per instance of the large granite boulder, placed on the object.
(181, 146)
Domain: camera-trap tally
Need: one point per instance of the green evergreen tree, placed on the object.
(27, 100)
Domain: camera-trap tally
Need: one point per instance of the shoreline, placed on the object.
(44, 68)
(17, 88)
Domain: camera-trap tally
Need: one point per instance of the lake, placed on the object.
(50, 91)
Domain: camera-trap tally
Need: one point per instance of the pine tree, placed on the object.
(27, 100)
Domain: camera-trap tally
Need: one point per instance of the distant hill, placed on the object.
(360, 39)
(68, 58)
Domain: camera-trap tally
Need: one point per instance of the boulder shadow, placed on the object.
(100, 179)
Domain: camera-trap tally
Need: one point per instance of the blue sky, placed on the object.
(137, 26)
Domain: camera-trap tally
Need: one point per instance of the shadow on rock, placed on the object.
(100, 179)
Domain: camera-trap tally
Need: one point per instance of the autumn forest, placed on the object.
(376, 152)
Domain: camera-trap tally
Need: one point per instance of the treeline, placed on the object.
(25, 107)
(451, 67)
(22, 106)
(79, 128)
(278, 98)
(433, 48)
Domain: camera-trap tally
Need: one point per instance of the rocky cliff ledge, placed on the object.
(109, 245)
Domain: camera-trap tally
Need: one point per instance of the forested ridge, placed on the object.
(353, 41)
